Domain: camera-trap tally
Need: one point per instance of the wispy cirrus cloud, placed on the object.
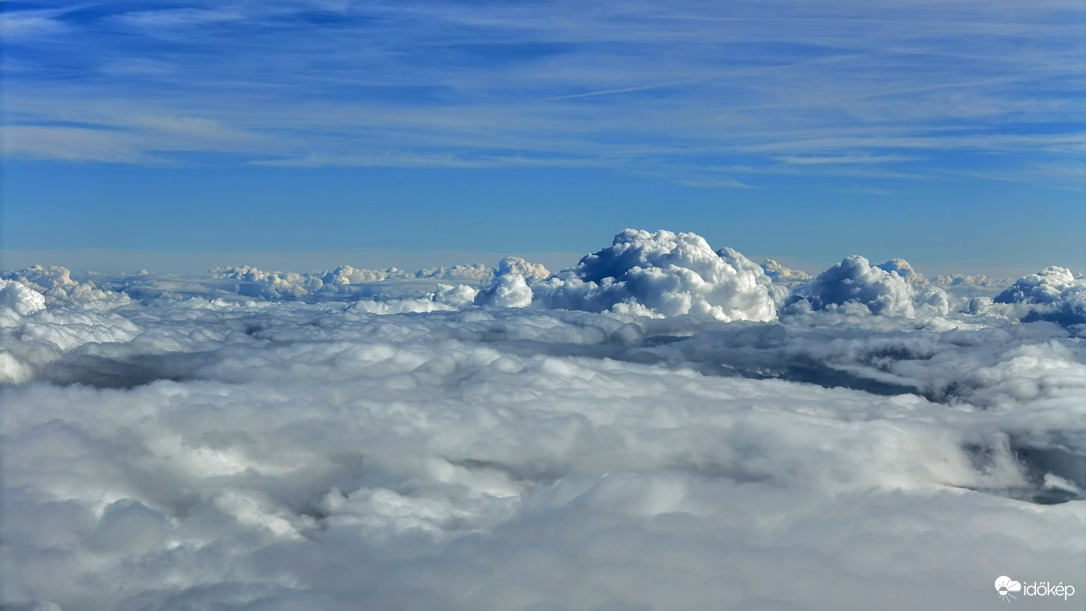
(623, 86)
(166, 19)
(843, 159)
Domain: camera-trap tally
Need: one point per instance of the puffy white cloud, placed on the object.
(1053, 294)
(854, 282)
(444, 298)
(38, 328)
(43, 278)
(345, 274)
(970, 280)
(902, 268)
(531, 272)
(18, 300)
(511, 287)
(55, 283)
(507, 290)
(476, 273)
(662, 274)
(253, 282)
(347, 282)
(1045, 287)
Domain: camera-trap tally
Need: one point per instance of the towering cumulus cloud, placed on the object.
(1051, 294)
(889, 289)
(512, 282)
(662, 274)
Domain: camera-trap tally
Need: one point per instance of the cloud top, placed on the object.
(1047, 286)
(662, 274)
(1052, 294)
(855, 282)
(17, 300)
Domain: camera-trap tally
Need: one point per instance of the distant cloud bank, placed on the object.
(661, 425)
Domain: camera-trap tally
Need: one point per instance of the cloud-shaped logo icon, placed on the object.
(1005, 585)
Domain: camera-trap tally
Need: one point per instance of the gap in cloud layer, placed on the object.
(640, 430)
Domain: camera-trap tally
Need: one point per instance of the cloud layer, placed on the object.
(186, 443)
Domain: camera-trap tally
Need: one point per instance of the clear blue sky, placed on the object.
(950, 133)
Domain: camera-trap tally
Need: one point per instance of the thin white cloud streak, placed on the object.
(23, 27)
(844, 159)
(157, 21)
(624, 86)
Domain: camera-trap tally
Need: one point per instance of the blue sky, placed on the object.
(952, 134)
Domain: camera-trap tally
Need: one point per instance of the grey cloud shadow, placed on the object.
(124, 373)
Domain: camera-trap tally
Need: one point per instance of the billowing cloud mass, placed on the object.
(1051, 294)
(662, 274)
(902, 268)
(18, 300)
(177, 443)
(889, 289)
(511, 286)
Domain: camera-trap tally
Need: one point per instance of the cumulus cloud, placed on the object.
(507, 290)
(42, 278)
(478, 273)
(39, 325)
(347, 282)
(531, 272)
(1045, 287)
(253, 282)
(979, 280)
(511, 286)
(191, 450)
(57, 286)
(17, 300)
(780, 273)
(446, 297)
(662, 274)
(854, 282)
(902, 268)
(1053, 294)
(345, 274)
